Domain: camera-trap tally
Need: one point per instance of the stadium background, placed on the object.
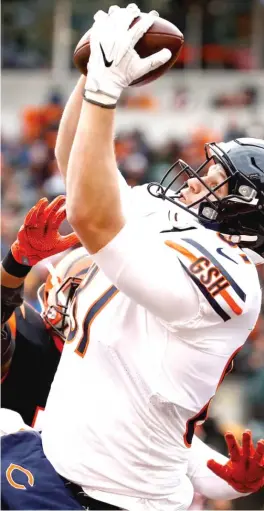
(215, 92)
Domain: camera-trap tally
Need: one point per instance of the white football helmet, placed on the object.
(56, 294)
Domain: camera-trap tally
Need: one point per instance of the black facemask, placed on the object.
(241, 212)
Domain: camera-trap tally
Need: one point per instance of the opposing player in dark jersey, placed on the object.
(32, 342)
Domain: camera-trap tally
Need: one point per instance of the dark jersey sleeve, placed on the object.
(7, 348)
(10, 300)
(34, 363)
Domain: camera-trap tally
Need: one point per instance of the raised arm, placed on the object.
(37, 239)
(127, 254)
(93, 197)
(68, 126)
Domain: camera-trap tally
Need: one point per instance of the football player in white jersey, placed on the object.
(163, 310)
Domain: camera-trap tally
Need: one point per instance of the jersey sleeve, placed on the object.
(10, 299)
(144, 268)
(203, 479)
(7, 350)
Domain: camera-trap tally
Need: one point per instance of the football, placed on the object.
(162, 34)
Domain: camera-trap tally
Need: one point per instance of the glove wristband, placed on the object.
(99, 99)
(14, 268)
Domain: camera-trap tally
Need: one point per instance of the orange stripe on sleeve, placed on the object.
(225, 295)
(232, 304)
(181, 249)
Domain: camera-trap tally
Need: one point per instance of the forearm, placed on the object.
(68, 126)
(11, 298)
(13, 274)
(203, 479)
(93, 195)
(12, 290)
(9, 280)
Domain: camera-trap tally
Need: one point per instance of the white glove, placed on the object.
(114, 63)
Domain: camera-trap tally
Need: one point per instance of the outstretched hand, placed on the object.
(39, 235)
(245, 469)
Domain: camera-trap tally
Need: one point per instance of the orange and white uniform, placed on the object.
(154, 327)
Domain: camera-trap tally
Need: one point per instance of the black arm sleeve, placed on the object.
(7, 346)
(11, 298)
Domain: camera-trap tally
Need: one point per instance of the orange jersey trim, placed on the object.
(38, 409)
(12, 325)
(224, 293)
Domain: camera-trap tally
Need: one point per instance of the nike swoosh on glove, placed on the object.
(245, 469)
(113, 62)
(39, 236)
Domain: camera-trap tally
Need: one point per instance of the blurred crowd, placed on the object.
(223, 28)
(29, 171)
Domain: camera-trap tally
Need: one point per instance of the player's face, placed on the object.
(195, 190)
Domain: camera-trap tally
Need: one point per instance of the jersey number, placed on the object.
(91, 314)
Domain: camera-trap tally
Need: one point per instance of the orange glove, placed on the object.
(245, 469)
(39, 236)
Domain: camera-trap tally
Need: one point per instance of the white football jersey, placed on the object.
(153, 332)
